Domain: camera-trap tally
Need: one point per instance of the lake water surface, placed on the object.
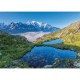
(53, 42)
(41, 56)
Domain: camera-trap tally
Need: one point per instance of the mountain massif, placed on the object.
(33, 26)
(28, 29)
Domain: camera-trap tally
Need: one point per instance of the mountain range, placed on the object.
(30, 30)
(33, 26)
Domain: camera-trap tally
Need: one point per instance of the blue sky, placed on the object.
(57, 19)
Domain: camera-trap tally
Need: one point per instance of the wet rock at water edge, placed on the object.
(77, 63)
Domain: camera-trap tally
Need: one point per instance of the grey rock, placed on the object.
(77, 63)
(48, 66)
(15, 62)
(0, 54)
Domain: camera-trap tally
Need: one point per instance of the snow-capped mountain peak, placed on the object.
(33, 22)
(28, 23)
(40, 24)
(31, 29)
(36, 23)
(29, 26)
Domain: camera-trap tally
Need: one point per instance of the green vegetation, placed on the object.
(12, 48)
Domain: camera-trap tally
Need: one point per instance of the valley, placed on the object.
(46, 48)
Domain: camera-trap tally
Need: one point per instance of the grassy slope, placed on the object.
(12, 49)
(70, 35)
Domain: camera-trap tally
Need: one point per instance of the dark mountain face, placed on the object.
(15, 28)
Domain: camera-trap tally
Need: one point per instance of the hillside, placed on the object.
(12, 48)
(70, 35)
